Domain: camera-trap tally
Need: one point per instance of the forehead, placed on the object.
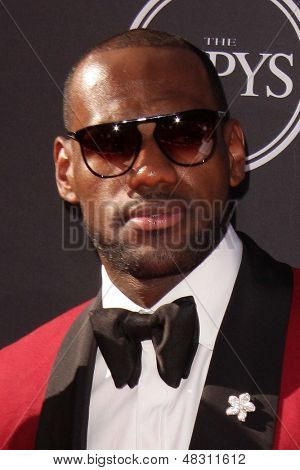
(138, 81)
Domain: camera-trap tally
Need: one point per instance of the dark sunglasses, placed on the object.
(186, 138)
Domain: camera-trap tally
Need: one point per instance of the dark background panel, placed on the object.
(45, 269)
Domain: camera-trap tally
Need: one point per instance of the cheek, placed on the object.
(210, 195)
(96, 198)
(210, 181)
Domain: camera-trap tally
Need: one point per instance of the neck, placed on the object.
(143, 292)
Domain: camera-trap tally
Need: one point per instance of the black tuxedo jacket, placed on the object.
(48, 375)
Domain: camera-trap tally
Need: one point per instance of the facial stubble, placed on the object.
(159, 258)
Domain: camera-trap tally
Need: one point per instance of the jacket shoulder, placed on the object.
(288, 430)
(24, 372)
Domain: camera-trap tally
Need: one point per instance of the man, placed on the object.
(187, 344)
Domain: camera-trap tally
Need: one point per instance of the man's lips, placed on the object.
(155, 216)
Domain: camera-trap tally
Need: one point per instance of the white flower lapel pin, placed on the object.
(240, 406)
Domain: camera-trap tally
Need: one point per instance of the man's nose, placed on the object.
(152, 167)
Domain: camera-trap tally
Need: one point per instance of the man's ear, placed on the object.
(235, 142)
(64, 170)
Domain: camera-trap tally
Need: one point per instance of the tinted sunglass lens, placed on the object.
(187, 141)
(110, 149)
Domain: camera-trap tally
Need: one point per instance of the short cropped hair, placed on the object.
(146, 38)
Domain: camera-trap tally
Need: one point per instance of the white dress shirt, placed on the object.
(153, 415)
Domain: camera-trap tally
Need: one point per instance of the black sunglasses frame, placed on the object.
(78, 135)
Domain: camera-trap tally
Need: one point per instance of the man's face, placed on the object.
(159, 218)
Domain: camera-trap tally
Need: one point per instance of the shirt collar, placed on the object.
(210, 283)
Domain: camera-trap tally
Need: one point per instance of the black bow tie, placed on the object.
(173, 329)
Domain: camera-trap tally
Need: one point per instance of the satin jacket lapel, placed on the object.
(247, 356)
(64, 417)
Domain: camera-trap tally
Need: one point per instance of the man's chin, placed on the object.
(155, 256)
(148, 263)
